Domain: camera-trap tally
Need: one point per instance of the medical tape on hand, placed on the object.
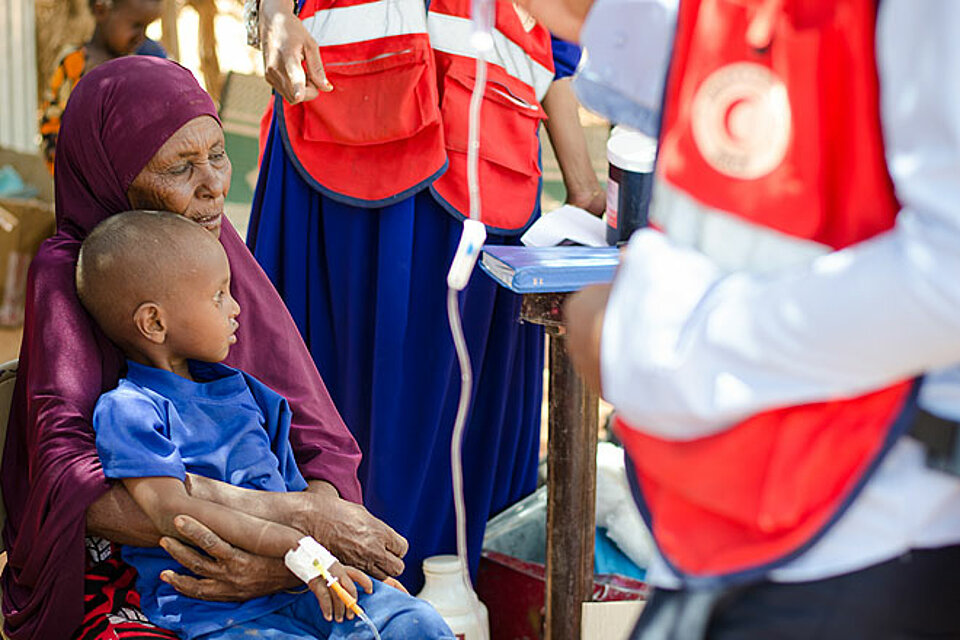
(310, 560)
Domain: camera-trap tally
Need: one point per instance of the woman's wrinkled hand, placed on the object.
(226, 573)
(291, 57)
(354, 536)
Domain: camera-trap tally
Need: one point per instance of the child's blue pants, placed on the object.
(397, 616)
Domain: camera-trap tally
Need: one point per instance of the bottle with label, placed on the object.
(631, 156)
(448, 590)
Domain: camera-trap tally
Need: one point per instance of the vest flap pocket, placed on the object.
(510, 117)
(384, 96)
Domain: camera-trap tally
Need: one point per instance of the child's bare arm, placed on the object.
(274, 506)
(347, 529)
(164, 498)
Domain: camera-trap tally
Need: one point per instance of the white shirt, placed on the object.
(688, 350)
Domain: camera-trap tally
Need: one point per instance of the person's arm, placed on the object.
(686, 351)
(116, 517)
(570, 146)
(562, 17)
(286, 46)
(583, 314)
(162, 499)
(347, 529)
(165, 500)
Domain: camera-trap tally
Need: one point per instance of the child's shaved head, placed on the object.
(136, 257)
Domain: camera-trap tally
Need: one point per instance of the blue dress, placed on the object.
(367, 288)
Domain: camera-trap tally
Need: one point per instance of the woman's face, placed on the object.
(189, 175)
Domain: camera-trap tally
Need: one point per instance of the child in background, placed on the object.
(120, 30)
(158, 285)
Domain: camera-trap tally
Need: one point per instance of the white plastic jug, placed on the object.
(447, 589)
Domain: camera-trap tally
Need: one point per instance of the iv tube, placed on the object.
(483, 12)
(482, 15)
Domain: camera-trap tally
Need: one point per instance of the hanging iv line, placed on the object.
(471, 241)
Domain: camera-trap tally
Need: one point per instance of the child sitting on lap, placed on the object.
(158, 285)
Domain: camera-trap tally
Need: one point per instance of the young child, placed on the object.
(120, 29)
(159, 287)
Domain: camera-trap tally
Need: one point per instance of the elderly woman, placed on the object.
(140, 132)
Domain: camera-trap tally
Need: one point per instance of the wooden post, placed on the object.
(168, 24)
(571, 494)
(207, 45)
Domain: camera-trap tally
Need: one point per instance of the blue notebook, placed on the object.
(549, 269)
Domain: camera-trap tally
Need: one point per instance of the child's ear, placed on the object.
(151, 322)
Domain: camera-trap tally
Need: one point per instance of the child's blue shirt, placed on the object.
(227, 426)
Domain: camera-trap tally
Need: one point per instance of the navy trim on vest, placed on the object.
(333, 195)
(898, 428)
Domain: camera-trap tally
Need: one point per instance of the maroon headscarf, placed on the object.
(117, 118)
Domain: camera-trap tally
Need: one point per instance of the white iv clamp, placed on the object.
(471, 242)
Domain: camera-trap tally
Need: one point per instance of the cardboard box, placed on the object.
(24, 225)
(610, 620)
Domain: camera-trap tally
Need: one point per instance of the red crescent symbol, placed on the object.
(728, 114)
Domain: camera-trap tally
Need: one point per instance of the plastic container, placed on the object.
(631, 156)
(446, 588)
(511, 579)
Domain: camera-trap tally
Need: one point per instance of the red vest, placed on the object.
(377, 138)
(519, 73)
(785, 137)
(398, 111)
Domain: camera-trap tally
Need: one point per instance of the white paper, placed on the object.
(568, 223)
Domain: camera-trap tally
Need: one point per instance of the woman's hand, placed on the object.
(353, 535)
(348, 530)
(286, 46)
(228, 574)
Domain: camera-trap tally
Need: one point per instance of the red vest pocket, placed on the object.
(509, 117)
(509, 146)
(382, 93)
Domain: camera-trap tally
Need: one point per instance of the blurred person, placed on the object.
(356, 218)
(783, 348)
(141, 132)
(120, 31)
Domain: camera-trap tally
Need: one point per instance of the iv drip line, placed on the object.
(474, 233)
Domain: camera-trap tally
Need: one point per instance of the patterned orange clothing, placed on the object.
(71, 67)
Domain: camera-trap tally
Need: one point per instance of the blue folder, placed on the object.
(549, 269)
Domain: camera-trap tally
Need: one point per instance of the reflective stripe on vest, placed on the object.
(368, 21)
(733, 243)
(768, 158)
(451, 34)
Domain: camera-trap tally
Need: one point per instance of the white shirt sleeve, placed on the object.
(686, 350)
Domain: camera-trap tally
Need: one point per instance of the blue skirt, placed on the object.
(367, 288)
